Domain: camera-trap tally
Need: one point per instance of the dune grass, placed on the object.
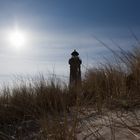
(58, 108)
(115, 85)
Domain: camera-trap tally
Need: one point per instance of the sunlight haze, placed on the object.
(49, 30)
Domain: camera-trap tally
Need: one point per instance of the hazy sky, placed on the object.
(54, 28)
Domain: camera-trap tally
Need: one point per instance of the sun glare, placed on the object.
(17, 38)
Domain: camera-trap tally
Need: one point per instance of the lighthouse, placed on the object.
(75, 69)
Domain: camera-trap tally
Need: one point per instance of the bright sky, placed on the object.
(37, 36)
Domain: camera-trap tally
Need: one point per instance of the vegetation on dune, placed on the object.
(55, 109)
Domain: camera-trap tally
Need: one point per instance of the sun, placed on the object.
(17, 38)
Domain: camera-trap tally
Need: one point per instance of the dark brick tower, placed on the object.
(75, 69)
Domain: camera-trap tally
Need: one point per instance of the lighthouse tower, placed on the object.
(75, 69)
